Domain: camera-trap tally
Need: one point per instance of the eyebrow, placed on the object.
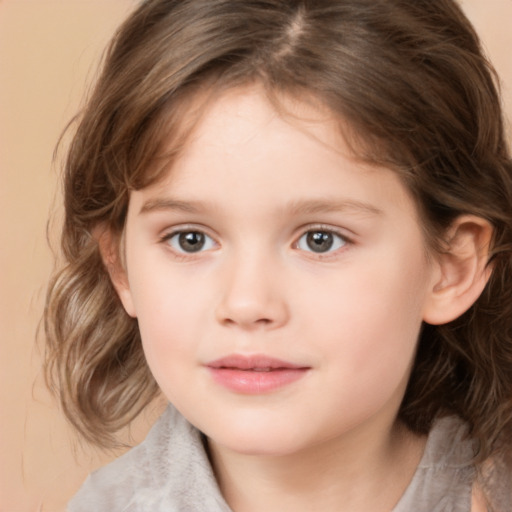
(332, 205)
(163, 204)
(298, 207)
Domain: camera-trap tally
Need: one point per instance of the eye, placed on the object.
(321, 241)
(190, 241)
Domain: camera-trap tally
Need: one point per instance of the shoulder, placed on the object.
(444, 477)
(492, 491)
(106, 489)
(113, 486)
(168, 471)
(451, 447)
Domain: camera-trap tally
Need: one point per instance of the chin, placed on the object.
(259, 447)
(269, 441)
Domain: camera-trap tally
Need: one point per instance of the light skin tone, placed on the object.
(269, 238)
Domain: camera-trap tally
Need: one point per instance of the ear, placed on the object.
(462, 270)
(111, 247)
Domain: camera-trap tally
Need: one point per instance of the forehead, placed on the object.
(221, 115)
(250, 121)
(244, 148)
(239, 114)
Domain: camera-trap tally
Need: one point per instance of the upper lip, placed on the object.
(252, 362)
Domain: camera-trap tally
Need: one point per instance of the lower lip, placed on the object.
(255, 383)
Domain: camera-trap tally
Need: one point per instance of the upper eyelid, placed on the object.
(344, 233)
(167, 236)
(348, 240)
(184, 228)
(342, 236)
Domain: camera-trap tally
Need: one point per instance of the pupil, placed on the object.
(191, 241)
(319, 241)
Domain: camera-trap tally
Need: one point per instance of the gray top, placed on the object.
(170, 472)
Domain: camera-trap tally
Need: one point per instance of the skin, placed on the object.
(255, 184)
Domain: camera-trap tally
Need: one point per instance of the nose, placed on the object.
(253, 295)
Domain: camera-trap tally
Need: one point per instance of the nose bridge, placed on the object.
(253, 294)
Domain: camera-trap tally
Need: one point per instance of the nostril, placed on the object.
(249, 308)
(259, 321)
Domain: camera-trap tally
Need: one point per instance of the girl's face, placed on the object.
(279, 284)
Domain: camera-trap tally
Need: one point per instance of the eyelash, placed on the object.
(339, 240)
(181, 253)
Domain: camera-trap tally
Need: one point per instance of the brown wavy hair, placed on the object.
(411, 81)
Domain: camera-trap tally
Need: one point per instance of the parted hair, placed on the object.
(408, 78)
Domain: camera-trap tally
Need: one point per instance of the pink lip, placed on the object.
(256, 374)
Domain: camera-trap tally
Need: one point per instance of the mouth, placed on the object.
(256, 374)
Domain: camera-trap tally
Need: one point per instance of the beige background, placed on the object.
(48, 52)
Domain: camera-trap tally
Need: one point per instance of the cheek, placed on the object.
(369, 357)
(169, 345)
(170, 320)
(372, 317)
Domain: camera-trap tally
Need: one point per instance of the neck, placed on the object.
(362, 471)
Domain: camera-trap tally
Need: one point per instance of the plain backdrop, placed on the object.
(49, 50)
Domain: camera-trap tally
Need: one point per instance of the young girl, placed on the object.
(294, 218)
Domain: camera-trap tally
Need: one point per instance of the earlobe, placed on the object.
(462, 270)
(110, 247)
